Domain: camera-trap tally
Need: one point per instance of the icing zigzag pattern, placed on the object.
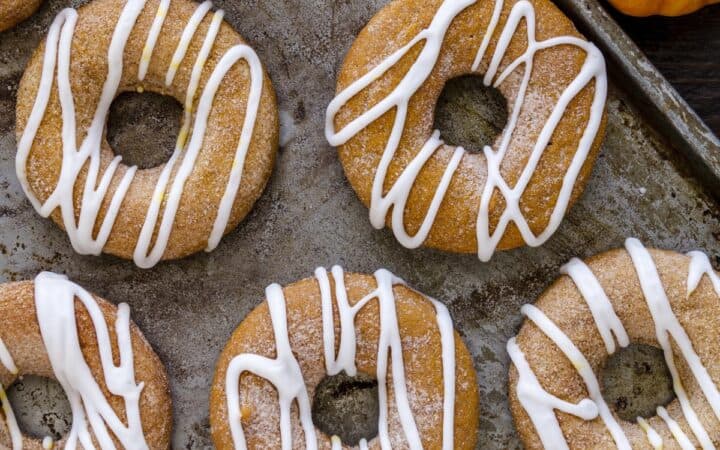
(167, 192)
(285, 374)
(593, 70)
(55, 299)
(541, 405)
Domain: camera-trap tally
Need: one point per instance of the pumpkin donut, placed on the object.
(12, 12)
(518, 189)
(622, 297)
(359, 325)
(225, 149)
(115, 383)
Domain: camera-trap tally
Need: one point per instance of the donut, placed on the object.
(633, 296)
(517, 190)
(12, 12)
(114, 381)
(225, 149)
(351, 324)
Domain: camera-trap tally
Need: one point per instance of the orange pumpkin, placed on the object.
(643, 8)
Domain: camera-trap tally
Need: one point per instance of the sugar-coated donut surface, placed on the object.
(345, 322)
(225, 149)
(13, 12)
(115, 383)
(618, 298)
(518, 189)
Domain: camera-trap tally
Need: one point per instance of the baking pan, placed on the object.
(657, 179)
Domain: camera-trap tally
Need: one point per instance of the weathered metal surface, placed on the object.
(652, 94)
(309, 216)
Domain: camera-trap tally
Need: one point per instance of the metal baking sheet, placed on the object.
(658, 187)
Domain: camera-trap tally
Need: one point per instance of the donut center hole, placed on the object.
(347, 407)
(143, 128)
(470, 114)
(636, 381)
(40, 407)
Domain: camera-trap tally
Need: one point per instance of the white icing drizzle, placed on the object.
(675, 429)
(285, 374)
(55, 307)
(447, 339)
(55, 304)
(6, 359)
(540, 405)
(16, 438)
(153, 35)
(48, 443)
(57, 52)
(187, 35)
(15, 434)
(653, 437)
(256, 75)
(337, 443)
(345, 359)
(583, 368)
(700, 266)
(390, 343)
(666, 325)
(606, 320)
(593, 70)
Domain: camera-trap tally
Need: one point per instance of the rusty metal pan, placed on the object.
(658, 100)
(656, 179)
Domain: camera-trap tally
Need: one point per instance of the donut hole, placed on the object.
(470, 114)
(143, 128)
(347, 407)
(41, 407)
(636, 381)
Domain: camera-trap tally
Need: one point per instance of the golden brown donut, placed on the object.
(622, 297)
(12, 12)
(515, 191)
(235, 150)
(267, 366)
(53, 328)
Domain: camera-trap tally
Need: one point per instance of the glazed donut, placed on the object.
(354, 323)
(12, 12)
(115, 383)
(635, 296)
(441, 196)
(225, 148)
